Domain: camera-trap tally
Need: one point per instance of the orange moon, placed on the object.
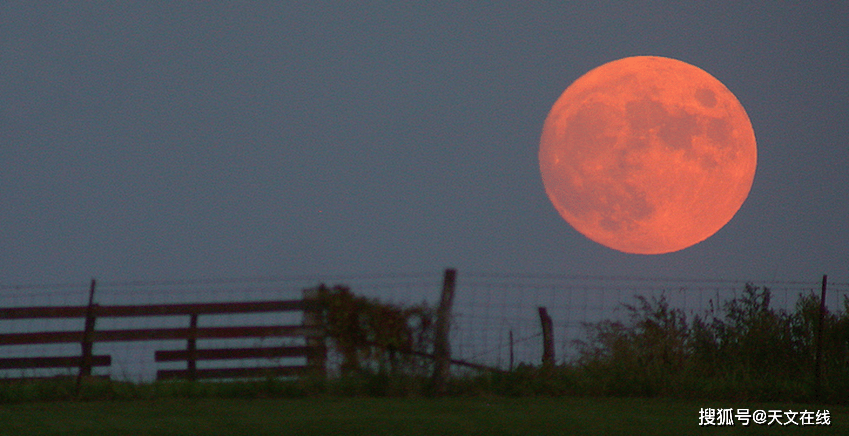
(647, 155)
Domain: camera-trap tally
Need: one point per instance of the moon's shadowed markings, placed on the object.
(647, 155)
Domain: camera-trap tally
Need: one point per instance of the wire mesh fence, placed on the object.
(495, 319)
(490, 308)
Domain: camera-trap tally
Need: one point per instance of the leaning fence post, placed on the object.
(547, 339)
(314, 333)
(441, 347)
(820, 328)
(87, 342)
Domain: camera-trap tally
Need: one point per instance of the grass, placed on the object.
(388, 416)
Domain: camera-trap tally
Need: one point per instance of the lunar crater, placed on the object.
(706, 97)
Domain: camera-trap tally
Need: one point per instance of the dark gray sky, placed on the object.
(186, 140)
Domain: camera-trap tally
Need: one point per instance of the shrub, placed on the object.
(745, 351)
(371, 335)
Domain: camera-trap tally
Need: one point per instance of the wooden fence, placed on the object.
(314, 349)
(311, 329)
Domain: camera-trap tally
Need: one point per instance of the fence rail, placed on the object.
(157, 309)
(315, 353)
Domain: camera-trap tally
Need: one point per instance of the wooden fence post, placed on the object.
(547, 339)
(820, 328)
(441, 347)
(191, 348)
(316, 346)
(87, 343)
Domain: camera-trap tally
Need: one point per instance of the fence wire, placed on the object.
(488, 310)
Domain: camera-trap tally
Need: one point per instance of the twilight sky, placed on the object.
(187, 140)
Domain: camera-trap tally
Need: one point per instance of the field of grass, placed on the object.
(389, 416)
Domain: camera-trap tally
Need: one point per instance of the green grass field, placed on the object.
(390, 416)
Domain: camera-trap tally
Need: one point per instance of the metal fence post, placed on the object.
(547, 339)
(820, 328)
(87, 343)
(511, 350)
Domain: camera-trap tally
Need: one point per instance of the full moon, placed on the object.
(647, 155)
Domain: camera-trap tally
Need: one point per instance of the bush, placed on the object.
(375, 336)
(746, 351)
